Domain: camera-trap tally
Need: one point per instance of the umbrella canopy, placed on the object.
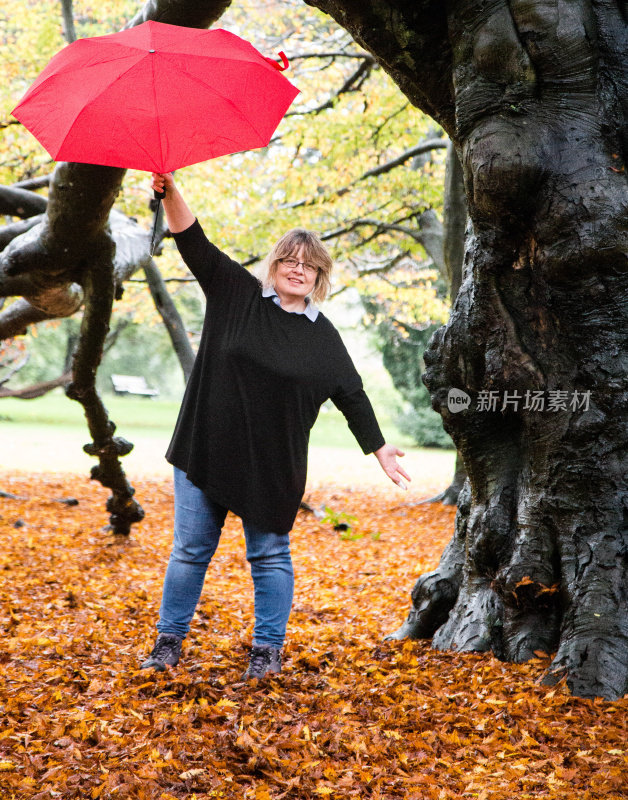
(155, 97)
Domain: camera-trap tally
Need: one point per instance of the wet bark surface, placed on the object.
(543, 308)
(540, 553)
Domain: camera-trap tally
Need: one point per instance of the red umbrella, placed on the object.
(156, 97)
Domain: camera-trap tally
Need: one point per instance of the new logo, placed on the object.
(457, 400)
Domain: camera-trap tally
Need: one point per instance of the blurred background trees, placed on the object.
(352, 160)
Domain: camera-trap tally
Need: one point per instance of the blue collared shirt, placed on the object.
(310, 311)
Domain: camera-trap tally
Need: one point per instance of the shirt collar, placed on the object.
(311, 312)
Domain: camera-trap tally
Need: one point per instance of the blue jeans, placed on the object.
(198, 524)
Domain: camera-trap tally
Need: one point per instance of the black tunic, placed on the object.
(260, 377)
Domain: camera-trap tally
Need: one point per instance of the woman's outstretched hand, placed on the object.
(387, 457)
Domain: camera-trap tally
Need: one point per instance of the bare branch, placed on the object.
(14, 370)
(165, 280)
(37, 389)
(40, 182)
(21, 203)
(68, 21)
(351, 84)
(379, 225)
(10, 232)
(424, 147)
(382, 268)
(332, 54)
(15, 319)
(381, 169)
(376, 133)
(132, 243)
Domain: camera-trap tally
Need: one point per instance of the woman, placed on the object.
(267, 361)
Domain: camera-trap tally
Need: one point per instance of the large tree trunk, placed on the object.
(543, 308)
(540, 554)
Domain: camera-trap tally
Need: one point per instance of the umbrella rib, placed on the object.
(157, 120)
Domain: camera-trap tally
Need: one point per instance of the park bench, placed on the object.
(132, 384)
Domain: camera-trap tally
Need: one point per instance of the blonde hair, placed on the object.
(315, 253)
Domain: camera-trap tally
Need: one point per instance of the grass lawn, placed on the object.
(134, 415)
(55, 408)
(48, 434)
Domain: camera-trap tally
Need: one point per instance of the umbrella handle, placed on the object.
(159, 196)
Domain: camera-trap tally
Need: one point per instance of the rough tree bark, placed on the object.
(535, 97)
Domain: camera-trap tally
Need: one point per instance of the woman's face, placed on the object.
(294, 280)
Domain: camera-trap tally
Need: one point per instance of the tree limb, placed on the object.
(11, 231)
(15, 319)
(68, 21)
(99, 295)
(14, 370)
(332, 54)
(187, 13)
(352, 84)
(410, 39)
(20, 202)
(40, 182)
(381, 169)
(37, 389)
(424, 147)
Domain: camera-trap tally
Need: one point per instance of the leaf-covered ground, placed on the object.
(350, 716)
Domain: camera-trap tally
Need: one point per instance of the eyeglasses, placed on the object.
(292, 263)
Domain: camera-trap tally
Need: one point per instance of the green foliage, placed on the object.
(351, 536)
(402, 348)
(422, 424)
(342, 522)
